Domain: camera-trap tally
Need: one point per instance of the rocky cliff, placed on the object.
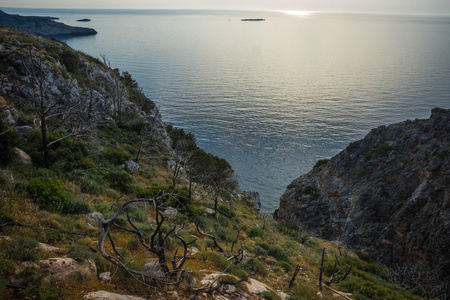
(388, 194)
(42, 26)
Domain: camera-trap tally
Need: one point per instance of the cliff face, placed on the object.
(388, 193)
(42, 26)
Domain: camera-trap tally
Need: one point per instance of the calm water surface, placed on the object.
(273, 97)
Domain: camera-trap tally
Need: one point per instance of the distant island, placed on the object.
(253, 19)
(43, 26)
(84, 20)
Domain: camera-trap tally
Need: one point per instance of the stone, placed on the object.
(23, 156)
(153, 269)
(95, 217)
(104, 295)
(64, 269)
(210, 212)
(171, 212)
(130, 166)
(105, 276)
(194, 250)
(48, 248)
(256, 287)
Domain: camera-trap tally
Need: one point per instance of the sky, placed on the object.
(376, 6)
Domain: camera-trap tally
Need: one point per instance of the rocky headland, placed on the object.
(387, 194)
(43, 26)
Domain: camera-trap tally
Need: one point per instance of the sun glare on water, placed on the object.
(297, 13)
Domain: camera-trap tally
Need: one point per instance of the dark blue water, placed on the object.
(273, 97)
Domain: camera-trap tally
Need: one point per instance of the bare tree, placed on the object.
(171, 273)
(51, 100)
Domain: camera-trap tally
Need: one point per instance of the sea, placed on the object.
(273, 97)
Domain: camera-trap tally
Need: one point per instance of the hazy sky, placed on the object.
(392, 6)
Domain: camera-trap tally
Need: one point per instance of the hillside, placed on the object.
(387, 194)
(98, 196)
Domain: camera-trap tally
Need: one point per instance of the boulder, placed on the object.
(104, 295)
(105, 276)
(210, 212)
(95, 217)
(23, 156)
(130, 166)
(64, 269)
(153, 269)
(171, 212)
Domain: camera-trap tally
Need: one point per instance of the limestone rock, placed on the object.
(388, 194)
(130, 166)
(48, 248)
(95, 217)
(171, 212)
(210, 212)
(23, 156)
(152, 268)
(105, 276)
(104, 295)
(64, 269)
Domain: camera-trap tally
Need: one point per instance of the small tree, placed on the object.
(51, 101)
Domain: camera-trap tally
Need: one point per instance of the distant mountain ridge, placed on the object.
(388, 194)
(43, 26)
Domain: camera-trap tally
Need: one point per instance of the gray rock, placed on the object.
(105, 276)
(152, 268)
(104, 295)
(64, 269)
(387, 193)
(23, 156)
(171, 212)
(95, 217)
(130, 166)
(210, 212)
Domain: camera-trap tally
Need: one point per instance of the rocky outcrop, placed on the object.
(42, 26)
(388, 194)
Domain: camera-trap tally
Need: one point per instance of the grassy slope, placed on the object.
(263, 239)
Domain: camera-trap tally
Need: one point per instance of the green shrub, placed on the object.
(263, 245)
(71, 60)
(284, 265)
(236, 271)
(217, 259)
(47, 193)
(79, 253)
(223, 209)
(260, 251)
(120, 180)
(278, 253)
(117, 156)
(257, 266)
(268, 295)
(54, 235)
(221, 233)
(292, 245)
(24, 249)
(76, 207)
(256, 231)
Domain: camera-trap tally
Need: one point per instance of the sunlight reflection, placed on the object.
(297, 13)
